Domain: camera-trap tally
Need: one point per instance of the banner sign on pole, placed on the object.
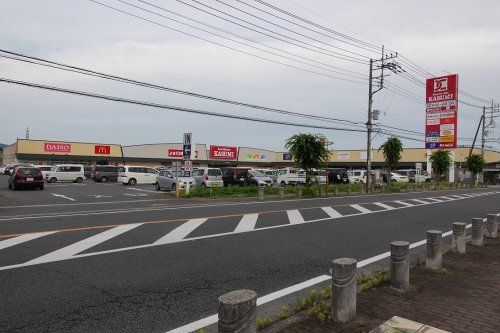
(441, 112)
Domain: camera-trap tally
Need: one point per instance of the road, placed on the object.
(107, 261)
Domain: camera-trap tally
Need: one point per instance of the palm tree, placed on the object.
(475, 163)
(441, 162)
(392, 150)
(308, 151)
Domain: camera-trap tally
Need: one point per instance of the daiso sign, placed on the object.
(57, 147)
(223, 152)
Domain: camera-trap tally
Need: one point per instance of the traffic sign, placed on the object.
(186, 152)
(187, 138)
(187, 166)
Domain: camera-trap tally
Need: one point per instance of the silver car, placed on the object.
(166, 181)
(208, 177)
(259, 179)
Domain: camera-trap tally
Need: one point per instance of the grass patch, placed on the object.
(374, 280)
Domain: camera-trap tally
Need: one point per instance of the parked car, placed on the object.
(87, 171)
(396, 177)
(131, 175)
(259, 179)
(291, 176)
(208, 177)
(413, 176)
(319, 177)
(105, 173)
(45, 169)
(66, 172)
(235, 176)
(166, 180)
(26, 177)
(357, 176)
(338, 176)
(2, 168)
(10, 169)
(273, 174)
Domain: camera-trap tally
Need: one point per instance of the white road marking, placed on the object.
(434, 199)
(458, 196)
(247, 223)
(420, 201)
(142, 190)
(97, 196)
(294, 216)
(23, 238)
(448, 198)
(383, 205)
(199, 324)
(136, 194)
(361, 209)
(83, 203)
(467, 195)
(63, 196)
(407, 204)
(331, 212)
(73, 249)
(180, 232)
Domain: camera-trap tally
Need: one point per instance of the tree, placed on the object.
(308, 152)
(441, 162)
(475, 163)
(392, 150)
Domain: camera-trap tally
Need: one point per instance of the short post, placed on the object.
(238, 312)
(321, 190)
(434, 258)
(400, 266)
(344, 289)
(299, 190)
(281, 192)
(349, 189)
(477, 231)
(491, 226)
(261, 193)
(335, 191)
(458, 239)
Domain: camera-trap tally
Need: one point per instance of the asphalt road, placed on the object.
(110, 262)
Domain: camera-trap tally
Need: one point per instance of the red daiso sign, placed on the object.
(223, 152)
(57, 147)
(177, 153)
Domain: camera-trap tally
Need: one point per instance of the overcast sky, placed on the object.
(446, 36)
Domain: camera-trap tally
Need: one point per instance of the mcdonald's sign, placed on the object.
(102, 150)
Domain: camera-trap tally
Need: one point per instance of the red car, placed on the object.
(26, 177)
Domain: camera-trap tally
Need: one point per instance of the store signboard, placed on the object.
(442, 93)
(102, 150)
(55, 147)
(223, 152)
(177, 153)
(287, 157)
(255, 157)
(343, 155)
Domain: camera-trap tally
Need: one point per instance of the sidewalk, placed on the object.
(463, 298)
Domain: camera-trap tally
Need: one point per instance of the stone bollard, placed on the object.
(281, 192)
(321, 190)
(458, 239)
(299, 190)
(434, 258)
(349, 189)
(344, 289)
(491, 226)
(261, 193)
(477, 231)
(335, 191)
(400, 265)
(238, 312)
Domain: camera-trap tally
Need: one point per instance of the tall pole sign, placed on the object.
(441, 112)
(187, 152)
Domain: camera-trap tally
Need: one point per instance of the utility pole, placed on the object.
(483, 133)
(393, 67)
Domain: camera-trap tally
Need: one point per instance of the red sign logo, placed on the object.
(177, 153)
(102, 150)
(223, 152)
(57, 147)
(442, 93)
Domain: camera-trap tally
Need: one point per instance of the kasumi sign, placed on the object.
(57, 147)
(177, 153)
(442, 93)
(223, 152)
(102, 150)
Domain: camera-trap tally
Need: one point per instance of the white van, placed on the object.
(66, 173)
(131, 175)
(45, 169)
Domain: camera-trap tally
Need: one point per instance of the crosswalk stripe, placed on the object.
(361, 208)
(420, 201)
(468, 195)
(23, 238)
(448, 198)
(457, 196)
(331, 212)
(247, 223)
(294, 216)
(181, 231)
(383, 205)
(407, 204)
(70, 250)
(434, 199)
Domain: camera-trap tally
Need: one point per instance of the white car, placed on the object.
(167, 180)
(45, 169)
(396, 177)
(131, 175)
(291, 176)
(66, 173)
(208, 177)
(357, 176)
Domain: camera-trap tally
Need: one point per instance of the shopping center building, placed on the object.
(54, 152)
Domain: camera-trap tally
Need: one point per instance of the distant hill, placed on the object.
(2, 145)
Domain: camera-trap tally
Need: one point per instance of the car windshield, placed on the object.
(180, 173)
(256, 173)
(28, 171)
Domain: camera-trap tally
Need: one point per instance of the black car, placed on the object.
(105, 173)
(26, 177)
(235, 176)
(338, 176)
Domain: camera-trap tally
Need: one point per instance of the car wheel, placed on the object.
(203, 185)
(283, 184)
(173, 187)
(53, 180)
(132, 181)
(104, 179)
(157, 187)
(79, 180)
